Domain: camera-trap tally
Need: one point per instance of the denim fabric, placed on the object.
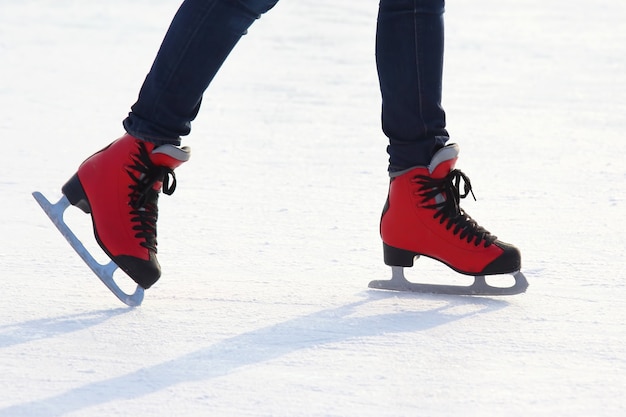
(409, 58)
(198, 41)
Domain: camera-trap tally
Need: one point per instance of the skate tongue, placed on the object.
(170, 156)
(444, 161)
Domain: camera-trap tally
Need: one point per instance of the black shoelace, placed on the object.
(448, 208)
(144, 198)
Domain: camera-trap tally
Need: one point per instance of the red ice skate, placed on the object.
(423, 217)
(119, 186)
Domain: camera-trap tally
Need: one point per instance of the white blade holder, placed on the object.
(103, 271)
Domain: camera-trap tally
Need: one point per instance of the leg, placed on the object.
(119, 185)
(422, 215)
(409, 58)
(201, 36)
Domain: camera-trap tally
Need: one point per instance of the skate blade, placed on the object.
(102, 271)
(398, 282)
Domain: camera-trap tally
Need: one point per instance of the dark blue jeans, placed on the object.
(409, 56)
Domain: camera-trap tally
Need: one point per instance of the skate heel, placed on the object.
(75, 193)
(398, 257)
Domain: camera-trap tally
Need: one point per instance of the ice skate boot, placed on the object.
(119, 186)
(422, 216)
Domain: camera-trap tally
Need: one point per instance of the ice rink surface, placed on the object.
(271, 237)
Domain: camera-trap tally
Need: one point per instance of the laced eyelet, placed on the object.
(447, 207)
(143, 196)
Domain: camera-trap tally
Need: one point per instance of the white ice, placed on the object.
(271, 238)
